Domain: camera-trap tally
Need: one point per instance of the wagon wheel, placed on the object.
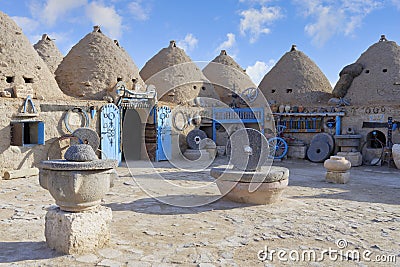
(278, 147)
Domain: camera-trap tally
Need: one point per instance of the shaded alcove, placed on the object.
(132, 132)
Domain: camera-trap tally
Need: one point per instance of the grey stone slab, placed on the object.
(109, 263)
(59, 164)
(265, 175)
(109, 253)
(249, 149)
(88, 258)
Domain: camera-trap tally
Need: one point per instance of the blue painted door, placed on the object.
(163, 133)
(110, 132)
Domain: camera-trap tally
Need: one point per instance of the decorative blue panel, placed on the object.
(41, 133)
(110, 126)
(164, 142)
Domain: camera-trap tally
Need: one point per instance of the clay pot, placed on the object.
(301, 109)
(396, 155)
(337, 164)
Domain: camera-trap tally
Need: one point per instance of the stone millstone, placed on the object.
(194, 137)
(318, 151)
(81, 152)
(249, 149)
(87, 136)
(325, 137)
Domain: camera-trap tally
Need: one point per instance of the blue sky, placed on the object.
(256, 33)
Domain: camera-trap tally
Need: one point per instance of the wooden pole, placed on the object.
(20, 173)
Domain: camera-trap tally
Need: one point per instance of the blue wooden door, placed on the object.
(110, 132)
(163, 134)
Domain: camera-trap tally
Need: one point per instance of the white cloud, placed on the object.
(53, 10)
(335, 17)
(259, 69)
(188, 43)
(255, 21)
(138, 11)
(27, 24)
(231, 41)
(106, 17)
(261, 2)
(396, 3)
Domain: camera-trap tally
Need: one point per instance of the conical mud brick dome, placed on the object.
(228, 78)
(296, 79)
(379, 80)
(48, 51)
(22, 71)
(94, 66)
(176, 78)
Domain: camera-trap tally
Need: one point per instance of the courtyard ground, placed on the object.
(358, 218)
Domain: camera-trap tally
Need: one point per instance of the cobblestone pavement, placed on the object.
(312, 216)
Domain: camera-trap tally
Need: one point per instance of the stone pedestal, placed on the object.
(337, 177)
(337, 170)
(355, 158)
(78, 232)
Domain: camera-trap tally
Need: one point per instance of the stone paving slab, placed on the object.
(312, 215)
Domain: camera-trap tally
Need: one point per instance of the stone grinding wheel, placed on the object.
(325, 137)
(87, 136)
(194, 137)
(318, 151)
(249, 149)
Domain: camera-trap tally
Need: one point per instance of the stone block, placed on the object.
(337, 177)
(78, 232)
(297, 152)
(355, 158)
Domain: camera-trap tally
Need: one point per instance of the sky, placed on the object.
(256, 33)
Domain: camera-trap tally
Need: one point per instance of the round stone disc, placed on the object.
(87, 136)
(194, 137)
(249, 149)
(325, 137)
(318, 151)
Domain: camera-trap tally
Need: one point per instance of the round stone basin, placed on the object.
(235, 185)
(77, 186)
